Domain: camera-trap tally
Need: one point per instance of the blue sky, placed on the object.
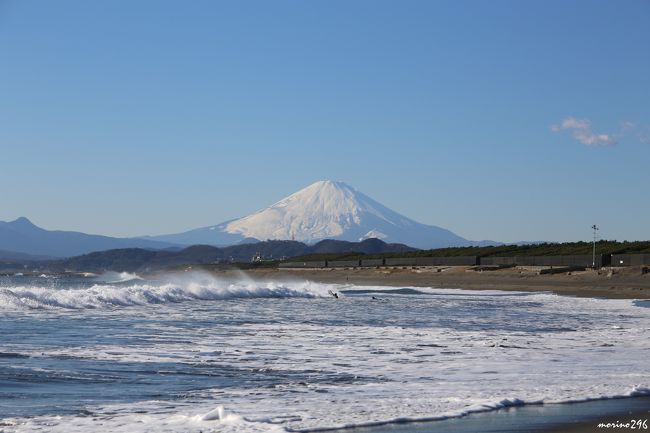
(502, 120)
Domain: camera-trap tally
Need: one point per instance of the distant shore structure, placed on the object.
(595, 229)
(572, 261)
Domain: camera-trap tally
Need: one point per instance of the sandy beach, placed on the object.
(613, 283)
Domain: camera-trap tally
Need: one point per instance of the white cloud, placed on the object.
(581, 130)
(626, 125)
(644, 138)
(640, 130)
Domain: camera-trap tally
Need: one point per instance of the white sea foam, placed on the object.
(146, 420)
(174, 288)
(363, 374)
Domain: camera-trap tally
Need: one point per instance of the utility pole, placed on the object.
(594, 256)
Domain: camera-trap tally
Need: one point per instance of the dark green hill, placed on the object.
(137, 259)
(542, 249)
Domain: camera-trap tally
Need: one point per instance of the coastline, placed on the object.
(576, 417)
(619, 283)
(570, 417)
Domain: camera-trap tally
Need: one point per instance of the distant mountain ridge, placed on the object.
(21, 236)
(137, 259)
(323, 210)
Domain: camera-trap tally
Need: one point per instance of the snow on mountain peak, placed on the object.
(324, 209)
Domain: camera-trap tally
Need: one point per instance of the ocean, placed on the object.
(190, 352)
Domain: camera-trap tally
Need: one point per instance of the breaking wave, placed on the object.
(175, 289)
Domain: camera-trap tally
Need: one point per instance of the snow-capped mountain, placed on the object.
(323, 210)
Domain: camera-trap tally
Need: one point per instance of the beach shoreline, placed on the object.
(616, 283)
(578, 417)
(571, 417)
(617, 407)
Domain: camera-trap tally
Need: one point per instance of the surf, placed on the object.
(169, 288)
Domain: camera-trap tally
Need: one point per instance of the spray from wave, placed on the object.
(171, 288)
(117, 277)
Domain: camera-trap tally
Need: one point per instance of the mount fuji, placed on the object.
(323, 210)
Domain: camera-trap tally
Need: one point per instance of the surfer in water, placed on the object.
(334, 294)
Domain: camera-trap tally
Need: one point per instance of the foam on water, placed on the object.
(309, 362)
(174, 288)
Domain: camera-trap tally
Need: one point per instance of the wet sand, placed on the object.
(550, 418)
(618, 283)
